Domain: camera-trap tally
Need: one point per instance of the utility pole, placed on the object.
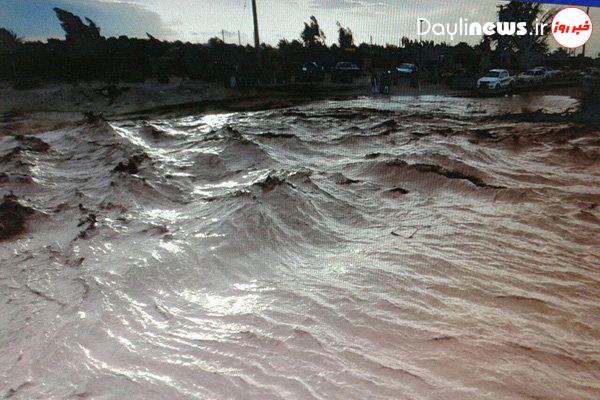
(223, 34)
(256, 37)
(583, 51)
(420, 45)
(239, 39)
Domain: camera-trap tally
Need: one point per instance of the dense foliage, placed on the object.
(86, 55)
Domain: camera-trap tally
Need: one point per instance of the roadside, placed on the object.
(54, 106)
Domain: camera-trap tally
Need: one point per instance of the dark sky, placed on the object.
(198, 20)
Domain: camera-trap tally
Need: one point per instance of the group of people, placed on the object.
(382, 81)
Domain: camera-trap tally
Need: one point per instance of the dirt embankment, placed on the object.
(110, 99)
(588, 112)
(51, 106)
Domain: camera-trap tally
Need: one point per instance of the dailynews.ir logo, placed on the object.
(572, 27)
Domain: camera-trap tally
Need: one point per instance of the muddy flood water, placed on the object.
(403, 248)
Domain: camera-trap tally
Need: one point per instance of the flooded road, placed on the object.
(404, 248)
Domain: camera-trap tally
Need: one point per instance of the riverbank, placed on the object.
(54, 106)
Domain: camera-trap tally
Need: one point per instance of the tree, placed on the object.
(9, 42)
(312, 35)
(526, 47)
(345, 37)
(8, 39)
(215, 42)
(75, 29)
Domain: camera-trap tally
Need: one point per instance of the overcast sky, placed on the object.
(198, 20)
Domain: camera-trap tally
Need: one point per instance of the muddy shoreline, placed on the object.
(55, 106)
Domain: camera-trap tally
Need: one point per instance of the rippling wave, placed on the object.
(403, 249)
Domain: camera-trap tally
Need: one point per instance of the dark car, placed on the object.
(345, 72)
(403, 71)
(406, 69)
(591, 77)
(310, 72)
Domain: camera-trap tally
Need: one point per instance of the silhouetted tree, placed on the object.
(9, 43)
(87, 56)
(9, 38)
(345, 37)
(312, 34)
(75, 29)
(525, 47)
(215, 42)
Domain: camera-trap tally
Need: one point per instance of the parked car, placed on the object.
(589, 71)
(406, 69)
(531, 77)
(344, 72)
(310, 72)
(549, 72)
(495, 80)
(591, 78)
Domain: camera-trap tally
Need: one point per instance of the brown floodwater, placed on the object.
(403, 248)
